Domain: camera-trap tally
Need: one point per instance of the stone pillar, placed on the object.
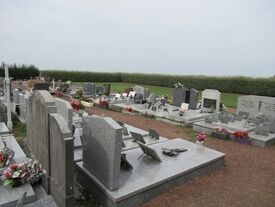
(7, 86)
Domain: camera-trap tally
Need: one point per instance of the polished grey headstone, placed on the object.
(102, 143)
(150, 177)
(3, 128)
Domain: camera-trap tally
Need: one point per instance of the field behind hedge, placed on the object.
(236, 85)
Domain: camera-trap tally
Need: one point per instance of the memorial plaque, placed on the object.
(149, 151)
(137, 137)
(209, 103)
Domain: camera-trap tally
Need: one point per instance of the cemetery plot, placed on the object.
(150, 177)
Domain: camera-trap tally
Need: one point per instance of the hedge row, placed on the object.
(20, 71)
(239, 85)
(79, 76)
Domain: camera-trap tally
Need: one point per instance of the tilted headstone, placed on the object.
(153, 134)
(211, 99)
(40, 106)
(137, 137)
(66, 110)
(61, 161)
(102, 150)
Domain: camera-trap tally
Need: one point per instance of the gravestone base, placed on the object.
(150, 178)
(231, 127)
(262, 141)
(10, 196)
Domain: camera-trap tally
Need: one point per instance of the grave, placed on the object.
(149, 177)
(89, 89)
(10, 196)
(184, 95)
(211, 100)
(143, 91)
(253, 105)
(41, 86)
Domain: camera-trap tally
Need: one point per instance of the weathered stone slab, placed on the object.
(3, 128)
(102, 149)
(179, 96)
(40, 106)
(262, 141)
(61, 162)
(10, 196)
(65, 109)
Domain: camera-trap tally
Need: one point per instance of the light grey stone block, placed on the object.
(40, 106)
(102, 145)
(3, 128)
(211, 98)
(10, 196)
(65, 109)
(61, 161)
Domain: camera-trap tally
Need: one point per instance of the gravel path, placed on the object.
(246, 180)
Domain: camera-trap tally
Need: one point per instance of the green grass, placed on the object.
(229, 99)
(20, 134)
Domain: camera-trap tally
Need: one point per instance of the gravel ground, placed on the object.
(246, 180)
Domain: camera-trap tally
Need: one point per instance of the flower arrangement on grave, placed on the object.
(241, 137)
(220, 133)
(201, 138)
(76, 104)
(6, 157)
(29, 171)
(3, 158)
(104, 103)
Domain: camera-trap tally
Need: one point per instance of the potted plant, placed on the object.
(241, 137)
(201, 138)
(221, 133)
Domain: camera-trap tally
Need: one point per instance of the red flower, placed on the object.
(2, 157)
(13, 166)
(7, 174)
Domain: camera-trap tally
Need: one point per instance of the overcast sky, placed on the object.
(198, 37)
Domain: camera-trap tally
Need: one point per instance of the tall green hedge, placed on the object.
(80, 76)
(20, 71)
(239, 85)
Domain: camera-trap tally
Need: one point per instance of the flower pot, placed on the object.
(242, 141)
(219, 135)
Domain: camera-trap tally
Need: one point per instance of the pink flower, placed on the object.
(7, 174)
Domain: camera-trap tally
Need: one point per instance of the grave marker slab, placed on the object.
(102, 149)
